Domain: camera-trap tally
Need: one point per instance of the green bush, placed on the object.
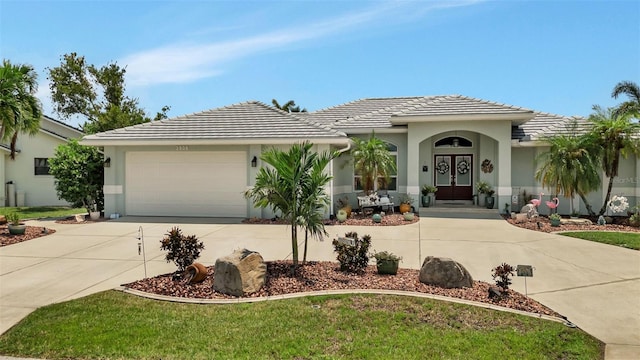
(182, 250)
(353, 258)
(13, 218)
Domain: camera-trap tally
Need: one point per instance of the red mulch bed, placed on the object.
(31, 232)
(316, 276)
(355, 219)
(543, 224)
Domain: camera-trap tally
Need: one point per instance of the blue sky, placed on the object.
(553, 56)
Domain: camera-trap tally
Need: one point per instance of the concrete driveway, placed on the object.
(596, 286)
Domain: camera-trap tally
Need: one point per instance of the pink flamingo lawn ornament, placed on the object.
(536, 202)
(553, 204)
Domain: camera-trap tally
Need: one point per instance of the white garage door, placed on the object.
(190, 183)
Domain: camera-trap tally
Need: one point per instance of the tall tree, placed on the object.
(290, 106)
(630, 107)
(95, 93)
(20, 110)
(615, 135)
(372, 160)
(293, 185)
(570, 166)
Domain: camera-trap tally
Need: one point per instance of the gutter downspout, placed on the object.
(340, 152)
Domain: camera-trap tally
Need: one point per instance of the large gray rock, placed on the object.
(242, 272)
(444, 273)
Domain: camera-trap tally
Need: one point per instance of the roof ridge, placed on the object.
(62, 123)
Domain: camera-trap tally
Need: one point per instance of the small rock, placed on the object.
(79, 218)
(495, 292)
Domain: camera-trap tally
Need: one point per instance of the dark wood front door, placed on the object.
(453, 176)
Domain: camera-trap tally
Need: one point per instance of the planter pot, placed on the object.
(388, 267)
(490, 202)
(408, 216)
(555, 222)
(17, 229)
(404, 208)
(94, 215)
(426, 200)
(342, 215)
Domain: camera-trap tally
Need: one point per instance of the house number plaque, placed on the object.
(182, 148)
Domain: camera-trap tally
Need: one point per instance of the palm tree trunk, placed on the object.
(587, 205)
(294, 244)
(603, 209)
(14, 141)
(306, 238)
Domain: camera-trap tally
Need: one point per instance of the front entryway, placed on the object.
(453, 176)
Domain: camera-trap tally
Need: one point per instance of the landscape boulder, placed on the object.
(444, 273)
(530, 210)
(242, 272)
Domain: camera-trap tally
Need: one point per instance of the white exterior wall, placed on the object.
(39, 189)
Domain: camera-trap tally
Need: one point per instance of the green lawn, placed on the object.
(623, 239)
(39, 212)
(114, 325)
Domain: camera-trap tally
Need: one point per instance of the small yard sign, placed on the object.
(346, 241)
(524, 270)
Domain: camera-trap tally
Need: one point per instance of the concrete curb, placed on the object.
(338, 292)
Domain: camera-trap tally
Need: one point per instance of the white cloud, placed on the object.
(187, 62)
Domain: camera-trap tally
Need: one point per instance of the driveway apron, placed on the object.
(596, 286)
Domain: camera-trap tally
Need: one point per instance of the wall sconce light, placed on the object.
(107, 162)
(425, 168)
(254, 162)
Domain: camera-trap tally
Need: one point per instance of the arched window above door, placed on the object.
(453, 141)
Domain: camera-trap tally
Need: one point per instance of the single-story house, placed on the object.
(26, 179)
(200, 164)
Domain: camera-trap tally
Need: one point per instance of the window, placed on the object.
(381, 183)
(41, 166)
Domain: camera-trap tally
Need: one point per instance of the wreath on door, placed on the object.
(463, 167)
(442, 167)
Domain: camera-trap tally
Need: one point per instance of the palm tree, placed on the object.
(372, 161)
(290, 106)
(632, 106)
(20, 110)
(569, 166)
(293, 185)
(615, 135)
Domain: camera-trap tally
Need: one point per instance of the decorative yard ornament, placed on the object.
(601, 220)
(618, 204)
(553, 204)
(487, 166)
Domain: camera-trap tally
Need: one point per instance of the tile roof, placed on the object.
(377, 112)
(247, 120)
(544, 124)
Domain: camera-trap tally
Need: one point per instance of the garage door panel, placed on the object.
(186, 183)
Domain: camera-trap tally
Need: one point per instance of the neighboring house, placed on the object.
(201, 164)
(26, 179)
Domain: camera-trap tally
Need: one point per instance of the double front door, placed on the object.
(453, 176)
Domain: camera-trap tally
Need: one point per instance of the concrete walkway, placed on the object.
(596, 286)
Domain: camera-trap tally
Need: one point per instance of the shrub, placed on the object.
(501, 275)
(386, 256)
(353, 258)
(13, 218)
(634, 220)
(182, 250)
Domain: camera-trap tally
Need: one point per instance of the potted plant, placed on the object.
(387, 263)
(405, 203)
(554, 219)
(489, 200)
(427, 190)
(14, 225)
(482, 187)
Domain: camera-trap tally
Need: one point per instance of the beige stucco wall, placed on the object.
(39, 190)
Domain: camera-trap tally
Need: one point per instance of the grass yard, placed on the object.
(114, 325)
(627, 240)
(39, 212)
